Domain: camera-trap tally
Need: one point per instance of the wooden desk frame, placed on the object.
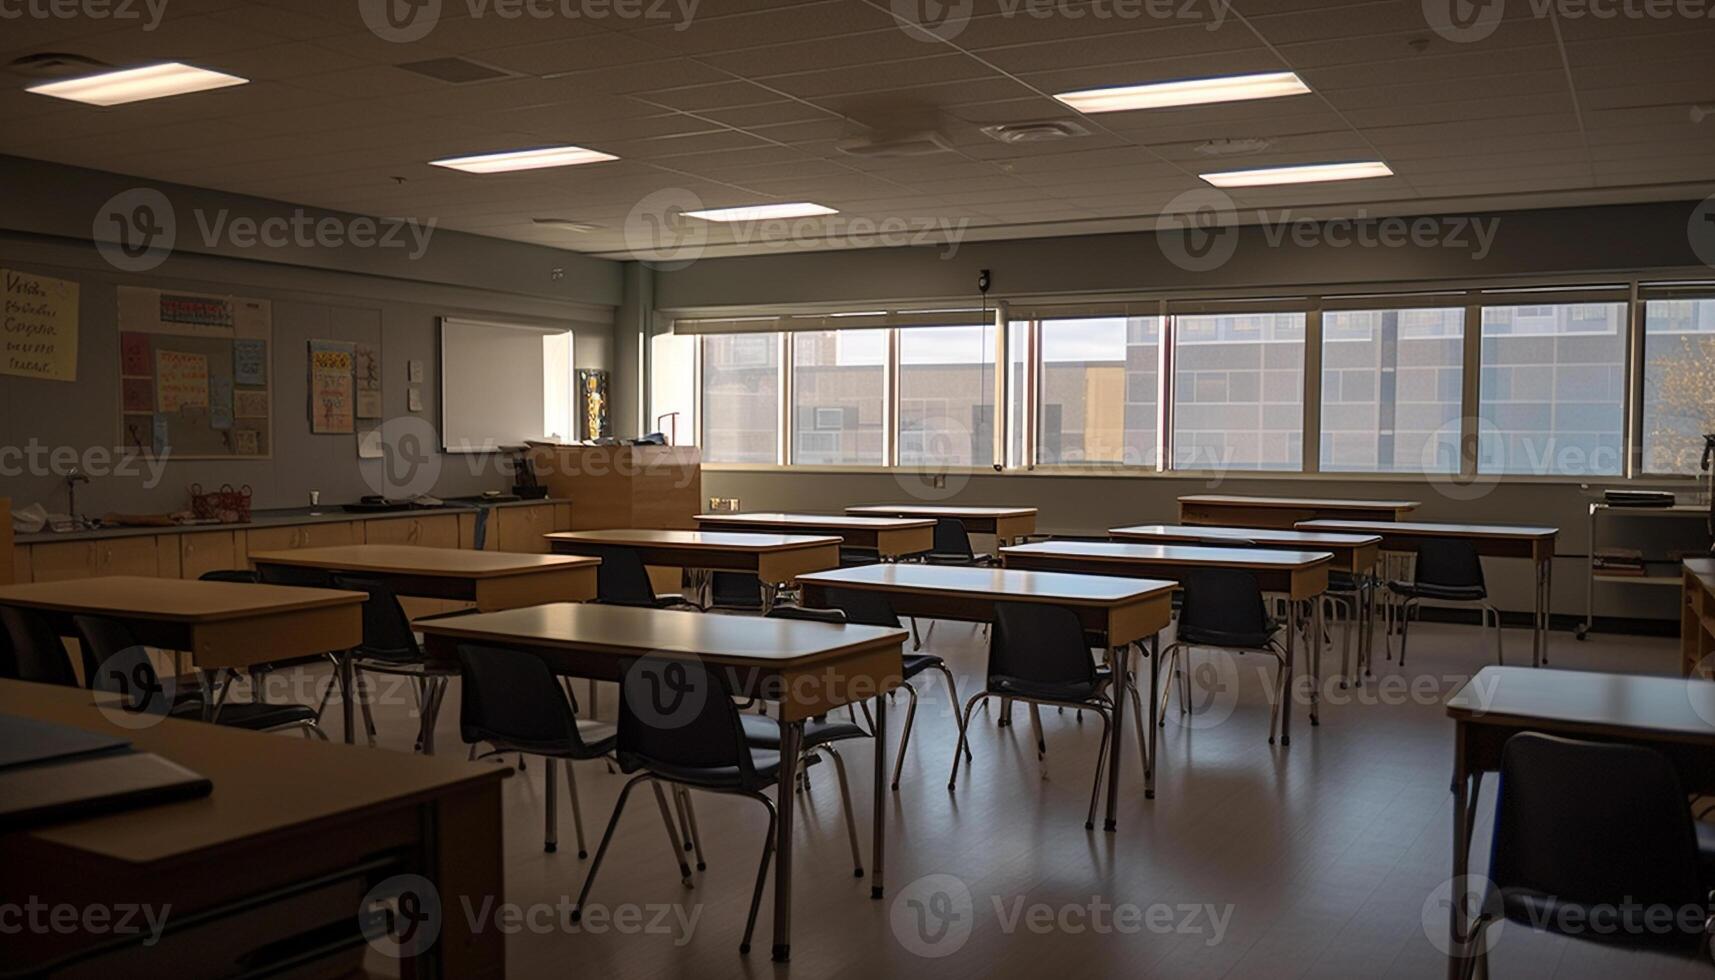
(1008, 524)
(1238, 510)
(891, 539)
(776, 559)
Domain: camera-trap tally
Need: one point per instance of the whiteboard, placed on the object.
(492, 391)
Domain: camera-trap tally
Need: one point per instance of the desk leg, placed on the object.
(879, 846)
(1461, 867)
(1149, 764)
(1316, 660)
(791, 733)
(1119, 661)
(1546, 603)
(1292, 624)
(348, 696)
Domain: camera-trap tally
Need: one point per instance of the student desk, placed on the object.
(808, 668)
(1490, 540)
(294, 835)
(1299, 575)
(492, 580)
(1672, 715)
(890, 537)
(774, 558)
(1007, 524)
(1124, 611)
(1284, 512)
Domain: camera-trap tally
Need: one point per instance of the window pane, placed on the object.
(741, 397)
(1679, 383)
(946, 396)
(1017, 397)
(1553, 389)
(1099, 390)
(837, 380)
(1238, 391)
(1391, 384)
(672, 387)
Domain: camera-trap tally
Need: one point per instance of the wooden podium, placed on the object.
(624, 486)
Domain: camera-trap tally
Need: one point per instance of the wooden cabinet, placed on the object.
(432, 531)
(328, 535)
(207, 551)
(520, 529)
(62, 560)
(127, 556)
(301, 536)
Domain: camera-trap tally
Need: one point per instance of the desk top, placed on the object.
(1260, 536)
(839, 521)
(1703, 568)
(1121, 552)
(1614, 703)
(263, 784)
(1407, 529)
(934, 510)
(171, 599)
(407, 559)
(1316, 503)
(631, 631)
(695, 540)
(998, 583)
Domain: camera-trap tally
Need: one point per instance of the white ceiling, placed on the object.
(745, 103)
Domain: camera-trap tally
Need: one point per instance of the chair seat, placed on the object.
(969, 561)
(1052, 690)
(1342, 582)
(765, 763)
(1221, 638)
(763, 732)
(917, 663)
(1445, 593)
(598, 738)
(398, 662)
(858, 556)
(254, 717)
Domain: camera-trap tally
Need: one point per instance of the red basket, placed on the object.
(226, 505)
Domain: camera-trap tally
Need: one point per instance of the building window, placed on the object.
(1391, 388)
(1678, 383)
(946, 396)
(1238, 391)
(741, 398)
(839, 378)
(1098, 388)
(1552, 390)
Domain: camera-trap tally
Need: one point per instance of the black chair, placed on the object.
(114, 660)
(390, 646)
(1039, 654)
(623, 580)
(951, 545)
(868, 608)
(695, 741)
(1596, 841)
(1222, 608)
(510, 700)
(740, 591)
(37, 653)
(242, 576)
(1449, 572)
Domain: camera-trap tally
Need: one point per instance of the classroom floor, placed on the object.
(1316, 860)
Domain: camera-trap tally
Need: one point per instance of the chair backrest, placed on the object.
(114, 661)
(807, 615)
(386, 628)
(241, 575)
(679, 714)
(621, 579)
(511, 697)
(735, 590)
(1034, 641)
(951, 540)
(864, 607)
(37, 653)
(1596, 824)
(312, 578)
(1223, 600)
(1448, 561)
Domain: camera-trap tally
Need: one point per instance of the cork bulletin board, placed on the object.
(195, 374)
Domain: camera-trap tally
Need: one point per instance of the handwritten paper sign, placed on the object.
(220, 403)
(134, 355)
(250, 362)
(181, 381)
(331, 408)
(250, 404)
(368, 375)
(39, 327)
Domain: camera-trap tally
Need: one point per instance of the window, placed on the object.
(1098, 386)
(1392, 382)
(1238, 391)
(1019, 357)
(946, 396)
(741, 398)
(672, 388)
(1552, 389)
(1679, 383)
(839, 378)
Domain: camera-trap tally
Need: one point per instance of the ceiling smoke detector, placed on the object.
(1041, 131)
(891, 145)
(1232, 148)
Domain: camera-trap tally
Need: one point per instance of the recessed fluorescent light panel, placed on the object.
(137, 84)
(763, 212)
(1314, 173)
(1190, 91)
(536, 159)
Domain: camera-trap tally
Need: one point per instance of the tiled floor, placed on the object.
(1316, 860)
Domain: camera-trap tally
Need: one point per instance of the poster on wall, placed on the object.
(40, 326)
(181, 381)
(592, 394)
(194, 376)
(332, 363)
(202, 311)
(367, 378)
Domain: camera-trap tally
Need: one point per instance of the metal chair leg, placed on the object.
(1140, 723)
(953, 694)
(551, 829)
(846, 801)
(1101, 770)
(1171, 665)
(916, 640)
(1488, 609)
(577, 807)
(761, 875)
(1405, 610)
(606, 839)
(905, 733)
(1280, 694)
(964, 736)
(1041, 743)
(688, 816)
(672, 833)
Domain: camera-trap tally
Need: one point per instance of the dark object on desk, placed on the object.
(492, 497)
(524, 482)
(652, 439)
(37, 795)
(373, 504)
(26, 741)
(1637, 498)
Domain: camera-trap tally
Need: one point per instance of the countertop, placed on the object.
(285, 517)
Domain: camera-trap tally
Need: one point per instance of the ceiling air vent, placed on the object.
(458, 71)
(1035, 132)
(55, 64)
(1232, 148)
(567, 224)
(894, 145)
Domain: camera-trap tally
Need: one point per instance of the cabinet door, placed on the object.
(63, 560)
(391, 530)
(207, 551)
(325, 535)
(438, 531)
(127, 556)
(521, 528)
(271, 539)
